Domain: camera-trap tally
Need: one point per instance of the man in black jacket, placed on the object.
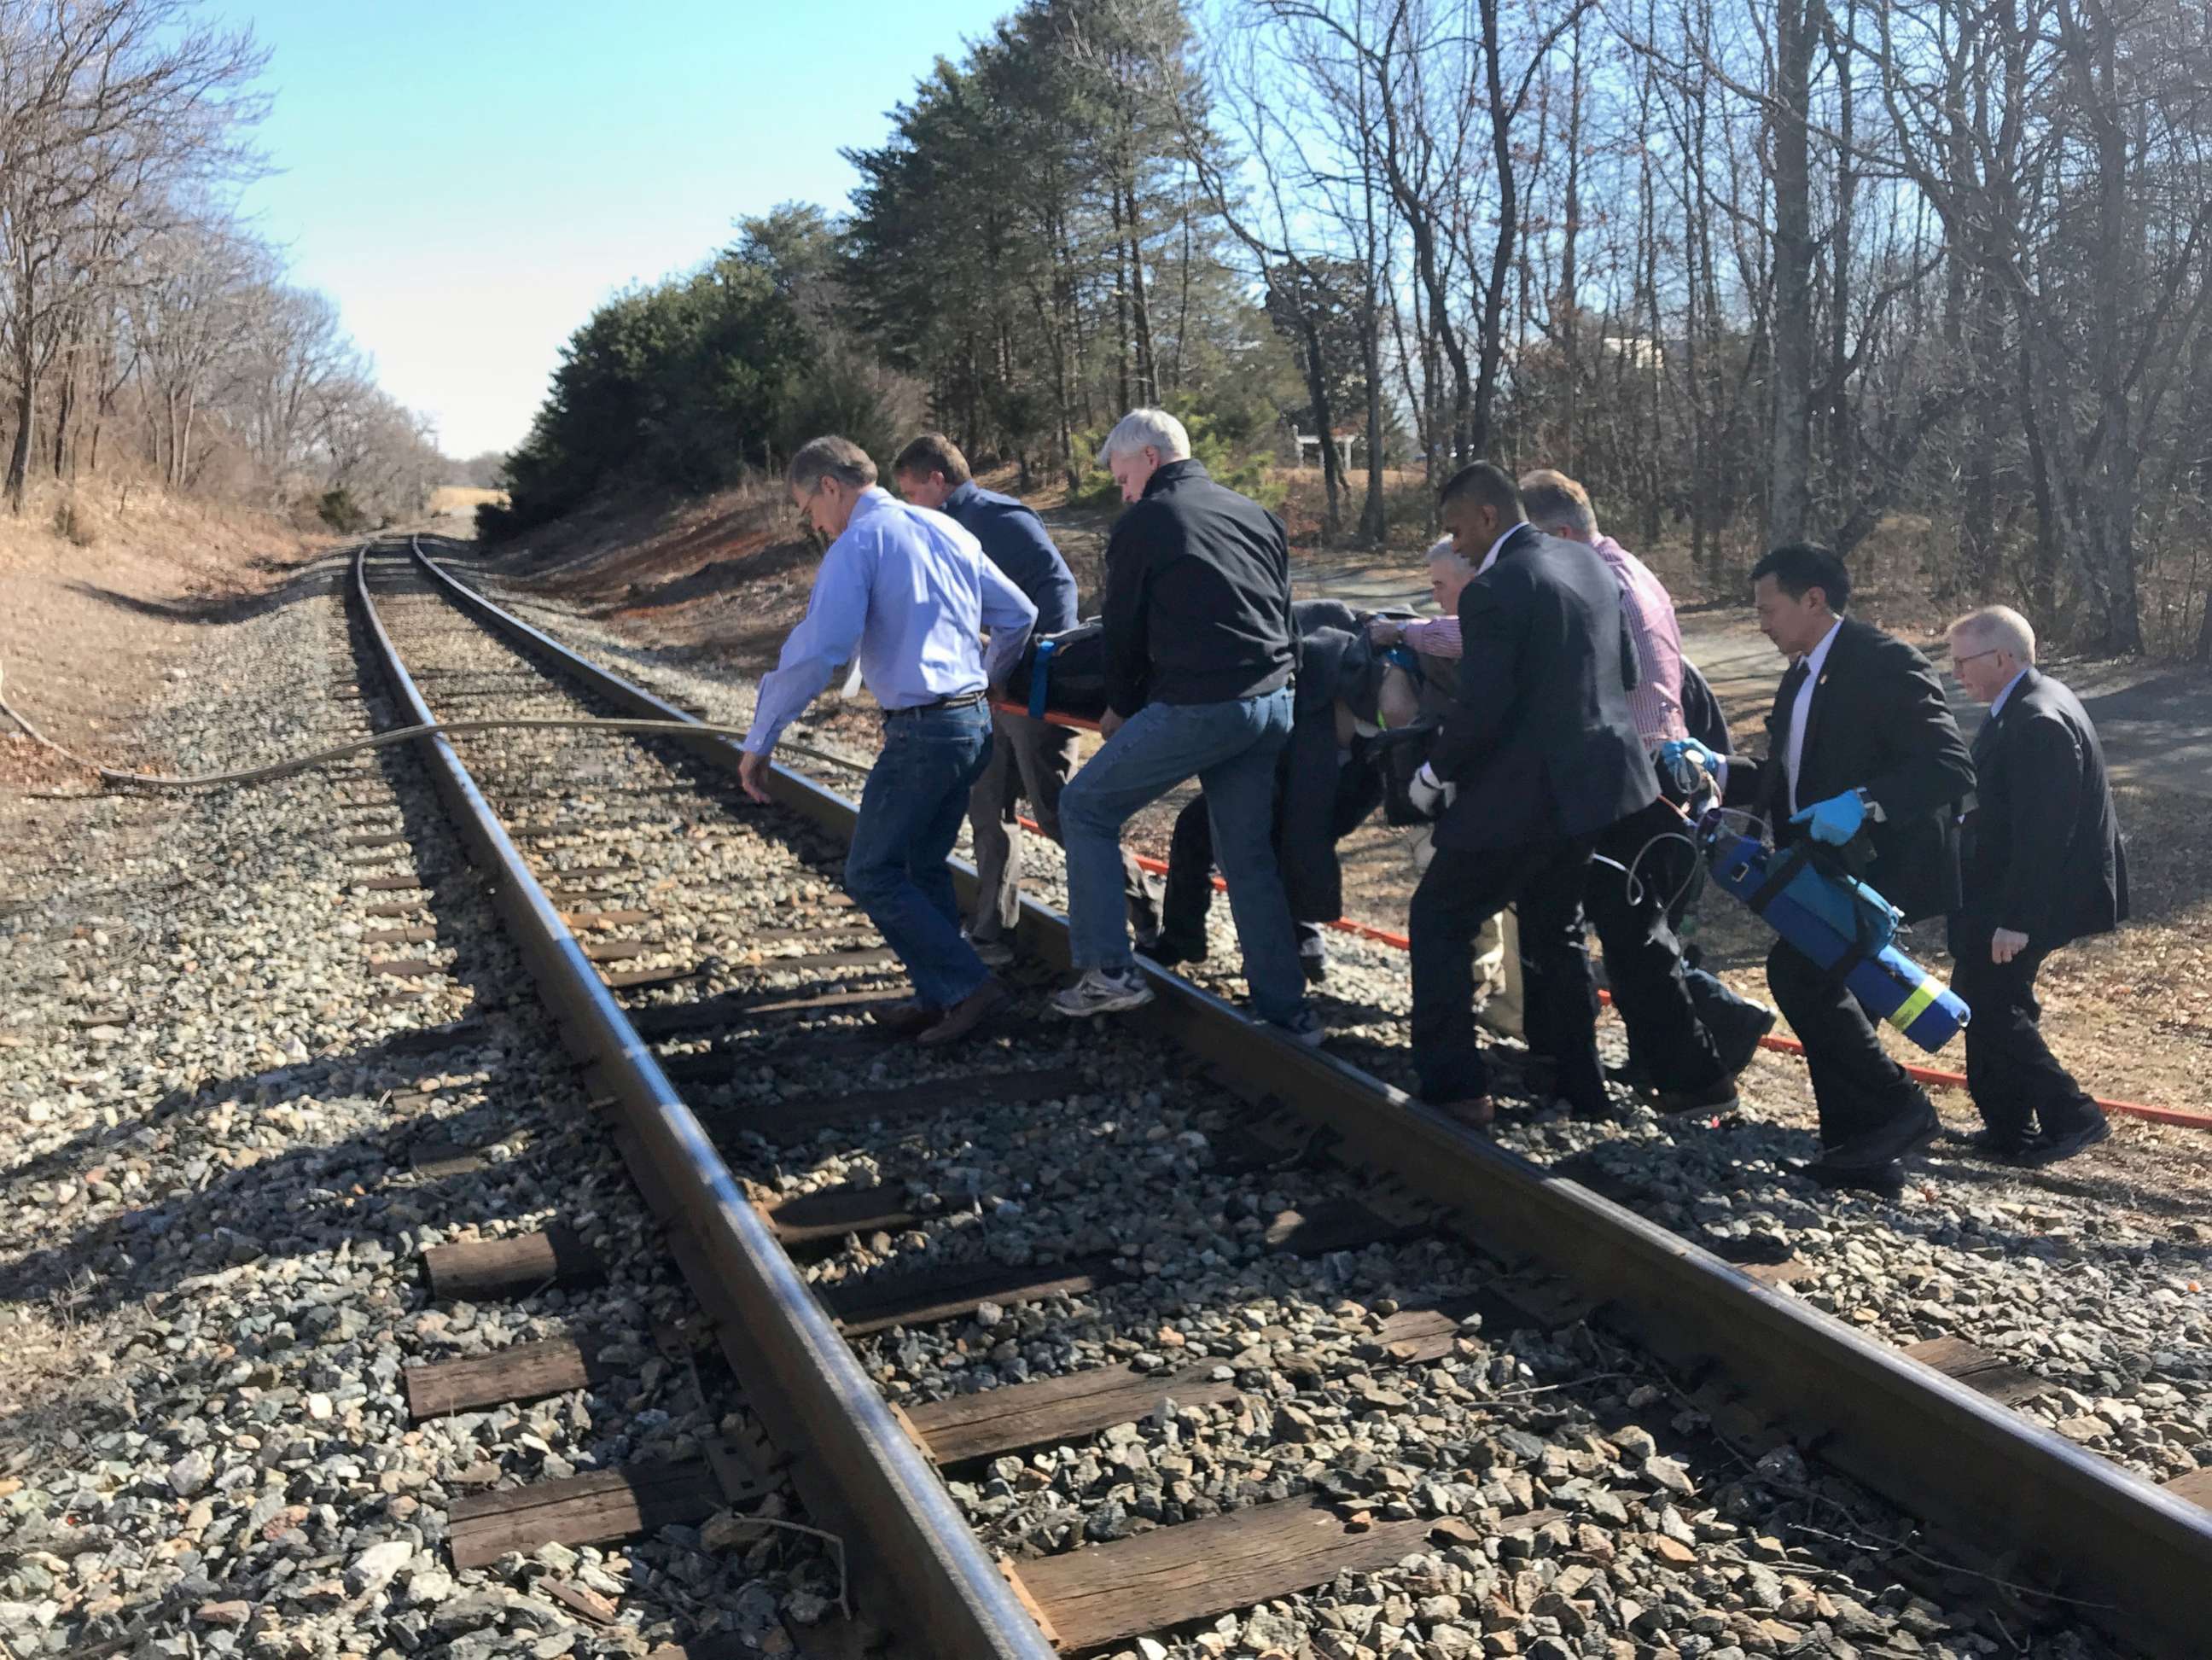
(2044, 865)
(1861, 744)
(1200, 650)
(1540, 744)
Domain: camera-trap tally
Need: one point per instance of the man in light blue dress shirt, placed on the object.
(909, 590)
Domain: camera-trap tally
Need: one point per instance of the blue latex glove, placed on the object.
(1683, 760)
(1835, 820)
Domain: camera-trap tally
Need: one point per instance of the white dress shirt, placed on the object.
(1815, 661)
(1490, 558)
(1997, 702)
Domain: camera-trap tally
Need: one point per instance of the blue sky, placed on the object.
(468, 180)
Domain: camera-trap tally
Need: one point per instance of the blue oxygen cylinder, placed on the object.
(1830, 916)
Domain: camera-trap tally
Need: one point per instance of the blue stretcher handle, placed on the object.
(1040, 671)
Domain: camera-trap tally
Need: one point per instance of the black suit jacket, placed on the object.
(1879, 721)
(1538, 736)
(2043, 852)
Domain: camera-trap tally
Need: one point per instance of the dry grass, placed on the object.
(461, 500)
(102, 583)
(60, 1377)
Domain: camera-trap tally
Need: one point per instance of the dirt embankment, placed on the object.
(103, 584)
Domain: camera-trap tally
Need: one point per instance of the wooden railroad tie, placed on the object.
(809, 1113)
(1105, 1594)
(1015, 1417)
(437, 1157)
(955, 1291)
(651, 979)
(1980, 1371)
(405, 968)
(521, 1372)
(594, 1508)
(477, 1269)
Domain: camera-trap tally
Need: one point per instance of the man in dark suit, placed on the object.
(1861, 753)
(2043, 865)
(1538, 741)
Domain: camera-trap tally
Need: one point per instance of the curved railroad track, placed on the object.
(1173, 1331)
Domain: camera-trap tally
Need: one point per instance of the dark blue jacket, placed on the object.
(1015, 540)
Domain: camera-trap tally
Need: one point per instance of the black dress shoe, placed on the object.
(969, 1013)
(1714, 1097)
(1742, 1042)
(908, 1018)
(1168, 951)
(1986, 1143)
(1887, 1180)
(2053, 1149)
(1910, 1127)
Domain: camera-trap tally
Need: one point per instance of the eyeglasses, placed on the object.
(1961, 662)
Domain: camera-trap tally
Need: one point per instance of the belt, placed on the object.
(966, 700)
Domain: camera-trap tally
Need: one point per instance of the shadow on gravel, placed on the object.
(296, 1199)
(296, 583)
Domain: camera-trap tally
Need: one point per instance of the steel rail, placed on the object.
(2130, 1557)
(851, 1459)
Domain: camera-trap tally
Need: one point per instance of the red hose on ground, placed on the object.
(1950, 1081)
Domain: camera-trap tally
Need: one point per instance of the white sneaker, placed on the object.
(1099, 992)
(1307, 1029)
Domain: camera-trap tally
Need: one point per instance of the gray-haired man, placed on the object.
(1199, 650)
(908, 590)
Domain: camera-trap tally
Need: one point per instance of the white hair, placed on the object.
(1445, 547)
(1998, 628)
(1146, 428)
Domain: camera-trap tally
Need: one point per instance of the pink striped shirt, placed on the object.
(1655, 703)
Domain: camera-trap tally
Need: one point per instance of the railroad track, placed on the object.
(1262, 1343)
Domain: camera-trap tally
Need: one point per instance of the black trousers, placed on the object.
(1642, 957)
(2017, 1084)
(1856, 1085)
(1459, 892)
(1187, 896)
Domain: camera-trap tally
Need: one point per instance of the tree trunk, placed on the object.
(1491, 346)
(1148, 374)
(1317, 389)
(1791, 312)
(1120, 303)
(1568, 303)
(19, 458)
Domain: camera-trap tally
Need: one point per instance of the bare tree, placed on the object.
(110, 112)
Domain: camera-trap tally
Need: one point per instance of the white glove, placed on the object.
(1427, 792)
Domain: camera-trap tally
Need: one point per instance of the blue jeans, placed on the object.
(910, 814)
(1231, 748)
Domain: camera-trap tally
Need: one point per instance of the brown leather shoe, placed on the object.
(908, 1018)
(969, 1013)
(1475, 1113)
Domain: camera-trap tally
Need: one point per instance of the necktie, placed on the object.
(1785, 704)
(1785, 713)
